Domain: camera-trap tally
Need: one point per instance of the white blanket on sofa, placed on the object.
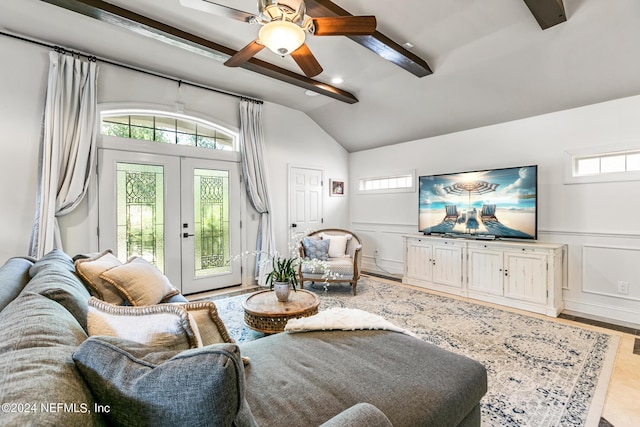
(346, 319)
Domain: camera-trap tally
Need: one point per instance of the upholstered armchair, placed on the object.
(339, 254)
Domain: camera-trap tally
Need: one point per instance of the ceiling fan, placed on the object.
(284, 28)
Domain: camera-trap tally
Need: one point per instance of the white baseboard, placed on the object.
(603, 313)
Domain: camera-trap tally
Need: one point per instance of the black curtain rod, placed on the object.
(129, 67)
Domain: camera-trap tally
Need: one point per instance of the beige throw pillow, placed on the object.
(337, 244)
(140, 282)
(90, 269)
(209, 325)
(166, 325)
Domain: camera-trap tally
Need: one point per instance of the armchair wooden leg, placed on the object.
(353, 286)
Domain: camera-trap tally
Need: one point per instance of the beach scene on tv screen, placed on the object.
(500, 202)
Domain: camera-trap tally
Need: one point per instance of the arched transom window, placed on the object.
(167, 128)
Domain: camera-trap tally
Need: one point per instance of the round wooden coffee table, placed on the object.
(264, 313)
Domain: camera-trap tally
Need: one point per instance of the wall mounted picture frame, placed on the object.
(336, 188)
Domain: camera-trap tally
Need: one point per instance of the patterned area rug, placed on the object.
(541, 373)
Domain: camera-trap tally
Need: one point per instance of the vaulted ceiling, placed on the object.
(473, 63)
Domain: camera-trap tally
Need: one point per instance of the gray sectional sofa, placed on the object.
(53, 374)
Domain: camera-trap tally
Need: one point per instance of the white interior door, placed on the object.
(210, 225)
(181, 214)
(305, 199)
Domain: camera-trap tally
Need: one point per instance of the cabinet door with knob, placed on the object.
(419, 261)
(447, 263)
(525, 276)
(486, 271)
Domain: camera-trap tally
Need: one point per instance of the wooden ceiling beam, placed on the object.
(377, 42)
(547, 12)
(134, 22)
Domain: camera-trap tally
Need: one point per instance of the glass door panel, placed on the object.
(211, 225)
(135, 215)
(140, 212)
(211, 222)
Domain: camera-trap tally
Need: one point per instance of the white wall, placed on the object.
(596, 220)
(291, 138)
(295, 140)
(22, 87)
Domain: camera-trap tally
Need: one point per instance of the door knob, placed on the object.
(294, 225)
(185, 235)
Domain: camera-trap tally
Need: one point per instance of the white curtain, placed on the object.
(255, 175)
(67, 146)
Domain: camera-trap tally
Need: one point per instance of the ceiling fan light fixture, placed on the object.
(282, 10)
(281, 37)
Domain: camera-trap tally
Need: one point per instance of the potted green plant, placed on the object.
(283, 276)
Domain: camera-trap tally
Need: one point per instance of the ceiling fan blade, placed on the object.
(219, 9)
(344, 25)
(306, 61)
(244, 54)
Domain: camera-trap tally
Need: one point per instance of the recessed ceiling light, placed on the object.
(407, 45)
(337, 80)
(311, 93)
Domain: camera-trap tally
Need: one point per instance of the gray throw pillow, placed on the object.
(316, 248)
(144, 386)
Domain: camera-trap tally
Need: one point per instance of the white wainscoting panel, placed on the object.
(607, 269)
(387, 239)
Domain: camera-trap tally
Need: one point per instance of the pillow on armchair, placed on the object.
(337, 244)
(316, 248)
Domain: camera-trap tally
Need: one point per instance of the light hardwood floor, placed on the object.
(621, 407)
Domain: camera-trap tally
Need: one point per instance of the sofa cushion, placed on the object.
(140, 282)
(14, 275)
(55, 257)
(54, 277)
(412, 382)
(173, 298)
(166, 325)
(315, 248)
(334, 268)
(337, 244)
(37, 338)
(149, 387)
(90, 268)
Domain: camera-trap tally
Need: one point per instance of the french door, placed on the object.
(181, 214)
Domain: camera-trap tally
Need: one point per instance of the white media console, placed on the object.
(519, 274)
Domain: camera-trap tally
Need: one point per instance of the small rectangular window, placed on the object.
(622, 164)
(610, 164)
(588, 166)
(401, 182)
(633, 162)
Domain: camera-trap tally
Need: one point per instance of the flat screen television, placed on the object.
(485, 204)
